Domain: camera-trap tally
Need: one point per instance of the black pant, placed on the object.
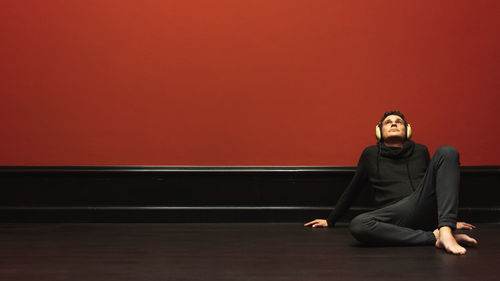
(411, 220)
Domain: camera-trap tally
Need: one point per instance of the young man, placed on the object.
(417, 196)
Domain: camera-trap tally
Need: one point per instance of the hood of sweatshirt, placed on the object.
(397, 152)
(403, 152)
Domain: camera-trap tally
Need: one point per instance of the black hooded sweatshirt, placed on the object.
(391, 172)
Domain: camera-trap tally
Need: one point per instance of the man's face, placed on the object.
(393, 126)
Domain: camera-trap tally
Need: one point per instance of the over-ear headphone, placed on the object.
(378, 131)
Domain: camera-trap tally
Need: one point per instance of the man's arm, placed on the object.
(348, 196)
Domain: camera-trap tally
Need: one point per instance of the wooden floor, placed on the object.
(227, 252)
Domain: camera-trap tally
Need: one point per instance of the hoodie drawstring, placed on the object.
(409, 176)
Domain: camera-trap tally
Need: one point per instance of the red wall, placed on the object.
(261, 82)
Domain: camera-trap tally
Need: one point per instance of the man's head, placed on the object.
(393, 125)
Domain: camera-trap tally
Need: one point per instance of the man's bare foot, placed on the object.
(445, 240)
(462, 239)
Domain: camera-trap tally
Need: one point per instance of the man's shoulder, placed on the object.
(369, 150)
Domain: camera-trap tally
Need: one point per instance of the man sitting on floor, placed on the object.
(417, 196)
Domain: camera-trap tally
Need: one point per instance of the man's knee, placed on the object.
(361, 226)
(448, 152)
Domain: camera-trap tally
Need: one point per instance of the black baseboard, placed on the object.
(204, 194)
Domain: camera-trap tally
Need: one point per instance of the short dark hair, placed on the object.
(393, 112)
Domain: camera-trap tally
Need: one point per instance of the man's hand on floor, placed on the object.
(464, 225)
(317, 223)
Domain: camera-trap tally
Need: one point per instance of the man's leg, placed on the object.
(441, 185)
(435, 202)
(388, 226)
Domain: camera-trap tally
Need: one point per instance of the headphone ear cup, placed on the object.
(378, 133)
(408, 131)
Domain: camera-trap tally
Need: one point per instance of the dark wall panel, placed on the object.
(205, 194)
